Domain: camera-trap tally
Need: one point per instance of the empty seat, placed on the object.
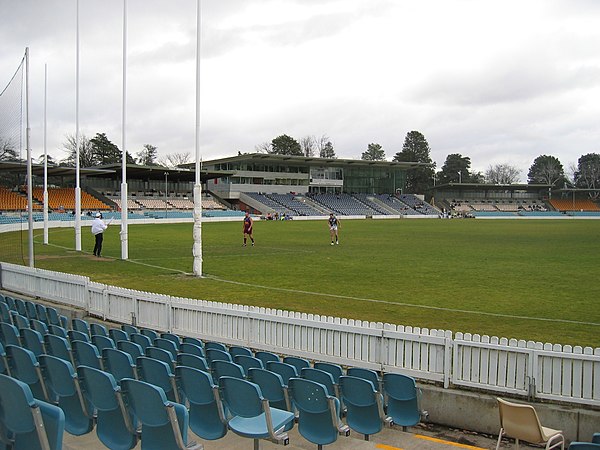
(33, 341)
(248, 362)
(193, 349)
(402, 399)
(286, 371)
(272, 387)
(119, 364)
(236, 350)
(86, 354)
(298, 363)
(75, 335)
(159, 374)
(24, 366)
(265, 357)
(80, 325)
(118, 335)
(189, 360)
(134, 350)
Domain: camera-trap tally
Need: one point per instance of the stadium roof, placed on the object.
(491, 187)
(135, 171)
(311, 161)
(53, 171)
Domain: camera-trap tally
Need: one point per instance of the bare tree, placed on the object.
(175, 159)
(308, 145)
(502, 174)
(325, 147)
(265, 147)
(7, 151)
(87, 158)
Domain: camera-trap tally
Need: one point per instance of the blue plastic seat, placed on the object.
(115, 427)
(151, 334)
(20, 306)
(286, 371)
(4, 312)
(248, 362)
(189, 360)
(118, 335)
(129, 329)
(102, 342)
(98, 329)
(3, 361)
(584, 446)
(335, 370)
(80, 325)
(59, 347)
(226, 368)
(119, 364)
(193, 349)
(10, 301)
(193, 340)
(21, 321)
(57, 330)
(215, 345)
(251, 414)
(54, 318)
(161, 355)
(32, 424)
(159, 374)
(265, 357)
(31, 309)
(61, 381)
(320, 376)
(39, 326)
(142, 340)
(134, 350)
(272, 388)
(298, 363)
(33, 341)
(366, 374)
(207, 417)
(9, 334)
(402, 399)
(168, 345)
(214, 354)
(364, 406)
(86, 354)
(596, 438)
(42, 313)
(236, 350)
(24, 366)
(319, 413)
(164, 423)
(171, 337)
(75, 335)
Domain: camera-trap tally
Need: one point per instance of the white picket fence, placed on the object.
(527, 368)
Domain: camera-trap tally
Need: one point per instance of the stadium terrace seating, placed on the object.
(343, 204)
(131, 204)
(564, 204)
(270, 204)
(154, 203)
(64, 198)
(295, 204)
(12, 201)
(418, 205)
(369, 200)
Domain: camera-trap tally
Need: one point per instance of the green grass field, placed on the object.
(527, 279)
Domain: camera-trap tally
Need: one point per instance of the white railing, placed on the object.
(526, 368)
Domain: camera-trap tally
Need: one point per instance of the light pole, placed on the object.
(166, 191)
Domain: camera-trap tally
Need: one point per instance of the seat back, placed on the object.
(214, 354)
(335, 370)
(248, 362)
(236, 350)
(193, 340)
(118, 363)
(286, 371)
(171, 337)
(366, 374)
(58, 330)
(134, 350)
(114, 424)
(32, 340)
(75, 335)
(272, 387)
(215, 345)
(164, 424)
(189, 360)
(319, 413)
(364, 405)
(520, 421)
(98, 329)
(58, 346)
(150, 334)
(226, 369)
(320, 376)
(118, 335)
(24, 366)
(39, 326)
(102, 342)
(159, 374)
(129, 329)
(161, 355)
(32, 423)
(9, 334)
(186, 347)
(242, 398)
(265, 357)
(86, 354)
(21, 321)
(142, 340)
(402, 399)
(168, 345)
(3, 361)
(61, 381)
(207, 418)
(80, 325)
(584, 446)
(298, 363)
(31, 309)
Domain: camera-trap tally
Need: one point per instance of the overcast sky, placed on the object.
(500, 81)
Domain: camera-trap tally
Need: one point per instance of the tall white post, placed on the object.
(124, 210)
(29, 171)
(77, 176)
(45, 156)
(197, 248)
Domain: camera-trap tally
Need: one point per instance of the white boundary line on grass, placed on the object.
(360, 299)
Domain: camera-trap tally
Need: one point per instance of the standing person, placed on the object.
(334, 224)
(248, 222)
(98, 227)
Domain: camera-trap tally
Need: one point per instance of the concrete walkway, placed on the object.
(418, 438)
